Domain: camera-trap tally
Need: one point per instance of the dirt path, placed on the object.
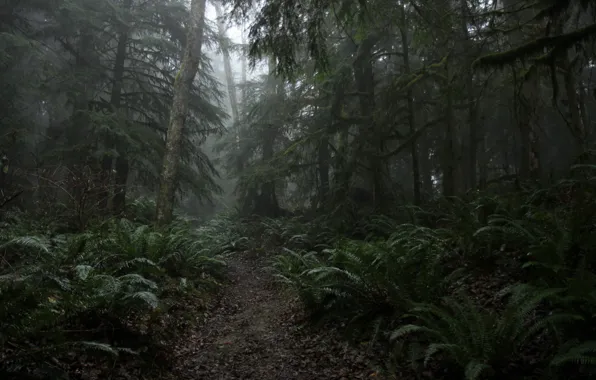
(254, 333)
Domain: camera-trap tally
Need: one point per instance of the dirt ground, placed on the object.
(256, 331)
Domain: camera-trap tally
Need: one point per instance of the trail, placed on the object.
(255, 333)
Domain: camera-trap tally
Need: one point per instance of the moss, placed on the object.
(179, 73)
(558, 44)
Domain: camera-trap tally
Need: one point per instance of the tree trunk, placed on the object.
(573, 106)
(230, 81)
(483, 160)
(267, 203)
(363, 76)
(527, 122)
(527, 94)
(244, 70)
(449, 163)
(122, 169)
(425, 169)
(182, 88)
(583, 111)
(227, 65)
(324, 158)
(411, 110)
(116, 96)
(470, 98)
(325, 196)
(80, 117)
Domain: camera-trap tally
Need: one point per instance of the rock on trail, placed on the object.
(255, 333)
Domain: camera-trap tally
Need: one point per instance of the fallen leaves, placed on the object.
(255, 332)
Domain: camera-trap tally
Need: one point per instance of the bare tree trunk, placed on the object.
(182, 89)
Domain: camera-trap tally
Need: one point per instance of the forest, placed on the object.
(298, 189)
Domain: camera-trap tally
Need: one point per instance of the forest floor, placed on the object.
(256, 331)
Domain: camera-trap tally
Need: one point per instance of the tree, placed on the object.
(178, 113)
(231, 87)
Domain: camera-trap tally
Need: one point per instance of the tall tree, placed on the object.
(180, 106)
(411, 111)
(225, 52)
(122, 165)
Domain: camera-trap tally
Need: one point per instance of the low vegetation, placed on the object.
(75, 302)
(490, 288)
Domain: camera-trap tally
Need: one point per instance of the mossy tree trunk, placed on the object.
(182, 88)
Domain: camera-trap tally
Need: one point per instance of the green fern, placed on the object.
(479, 341)
(572, 352)
(117, 270)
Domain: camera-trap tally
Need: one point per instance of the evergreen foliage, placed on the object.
(419, 173)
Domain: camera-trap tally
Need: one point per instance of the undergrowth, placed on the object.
(100, 295)
(416, 288)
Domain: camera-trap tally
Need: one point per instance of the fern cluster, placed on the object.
(363, 281)
(71, 292)
(404, 283)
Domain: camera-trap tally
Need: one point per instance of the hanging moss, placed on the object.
(557, 44)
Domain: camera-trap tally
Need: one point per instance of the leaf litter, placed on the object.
(254, 331)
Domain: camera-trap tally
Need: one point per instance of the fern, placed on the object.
(481, 342)
(117, 270)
